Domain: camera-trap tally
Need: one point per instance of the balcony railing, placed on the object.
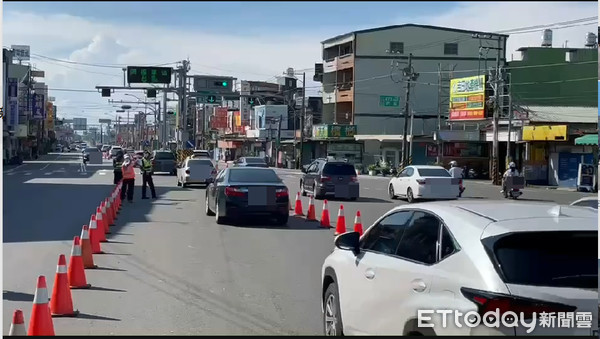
(330, 65)
(345, 94)
(345, 61)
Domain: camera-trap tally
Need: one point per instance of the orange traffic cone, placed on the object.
(310, 214)
(17, 327)
(86, 248)
(41, 321)
(76, 273)
(100, 230)
(110, 212)
(325, 216)
(101, 217)
(358, 224)
(298, 209)
(95, 236)
(340, 225)
(61, 303)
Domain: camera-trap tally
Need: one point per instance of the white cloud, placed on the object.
(259, 58)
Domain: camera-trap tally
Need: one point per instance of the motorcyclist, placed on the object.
(117, 167)
(457, 173)
(510, 172)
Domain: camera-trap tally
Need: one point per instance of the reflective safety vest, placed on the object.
(118, 165)
(129, 171)
(146, 165)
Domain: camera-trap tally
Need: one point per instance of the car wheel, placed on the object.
(332, 317)
(391, 192)
(282, 219)
(409, 195)
(302, 190)
(219, 219)
(207, 207)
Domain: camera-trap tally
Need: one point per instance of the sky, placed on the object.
(247, 40)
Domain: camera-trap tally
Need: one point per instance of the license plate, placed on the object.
(342, 191)
(258, 196)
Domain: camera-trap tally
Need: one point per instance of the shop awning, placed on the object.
(589, 139)
(381, 137)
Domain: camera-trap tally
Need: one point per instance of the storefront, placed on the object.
(467, 148)
(335, 141)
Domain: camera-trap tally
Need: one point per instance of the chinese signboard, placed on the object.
(334, 131)
(39, 111)
(389, 101)
(12, 111)
(50, 116)
(20, 52)
(545, 133)
(467, 98)
(219, 119)
(148, 75)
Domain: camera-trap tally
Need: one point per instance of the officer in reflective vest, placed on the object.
(128, 178)
(117, 170)
(147, 175)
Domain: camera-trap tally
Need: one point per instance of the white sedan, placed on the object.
(472, 256)
(424, 182)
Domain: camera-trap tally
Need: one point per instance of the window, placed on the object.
(221, 176)
(255, 160)
(164, 156)
(409, 172)
(448, 245)
(451, 49)
(339, 169)
(434, 172)
(396, 47)
(312, 168)
(419, 242)
(385, 236)
(200, 162)
(246, 175)
(587, 203)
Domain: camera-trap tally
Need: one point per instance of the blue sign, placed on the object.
(189, 144)
(568, 167)
(12, 111)
(38, 106)
(146, 143)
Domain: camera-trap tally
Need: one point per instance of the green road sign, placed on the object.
(389, 101)
(148, 75)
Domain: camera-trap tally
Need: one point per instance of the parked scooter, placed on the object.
(513, 187)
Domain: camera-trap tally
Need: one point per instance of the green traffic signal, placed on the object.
(224, 83)
(212, 99)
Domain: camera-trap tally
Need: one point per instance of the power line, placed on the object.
(119, 66)
(73, 68)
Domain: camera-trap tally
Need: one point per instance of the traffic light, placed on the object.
(211, 99)
(251, 101)
(221, 83)
(151, 93)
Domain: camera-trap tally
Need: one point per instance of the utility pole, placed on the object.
(410, 75)
(165, 137)
(302, 117)
(510, 121)
(278, 140)
(183, 108)
(498, 96)
(410, 149)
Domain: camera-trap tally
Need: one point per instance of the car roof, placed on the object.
(425, 167)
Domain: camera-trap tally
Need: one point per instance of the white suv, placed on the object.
(467, 256)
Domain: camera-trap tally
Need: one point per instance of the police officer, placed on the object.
(128, 178)
(117, 164)
(147, 175)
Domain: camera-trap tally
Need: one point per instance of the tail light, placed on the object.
(213, 172)
(235, 192)
(187, 172)
(281, 192)
(325, 179)
(354, 179)
(502, 303)
(421, 181)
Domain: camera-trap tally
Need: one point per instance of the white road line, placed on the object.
(14, 169)
(28, 173)
(48, 173)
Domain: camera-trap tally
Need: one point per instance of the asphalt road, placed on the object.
(169, 268)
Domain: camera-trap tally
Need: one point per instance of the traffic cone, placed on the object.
(310, 214)
(61, 303)
(325, 216)
(101, 229)
(17, 327)
(358, 224)
(86, 249)
(110, 211)
(107, 217)
(76, 273)
(95, 236)
(340, 225)
(101, 218)
(41, 321)
(298, 209)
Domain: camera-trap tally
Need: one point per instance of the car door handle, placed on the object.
(370, 274)
(419, 285)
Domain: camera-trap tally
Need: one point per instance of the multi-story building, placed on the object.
(364, 86)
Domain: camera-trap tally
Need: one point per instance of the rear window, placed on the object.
(339, 169)
(433, 172)
(251, 175)
(255, 160)
(91, 150)
(200, 162)
(553, 259)
(164, 156)
(587, 203)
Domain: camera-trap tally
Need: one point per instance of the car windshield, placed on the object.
(255, 160)
(253, 175)
(164, 156)
(554, 259)
(433, 172)
(339, 169)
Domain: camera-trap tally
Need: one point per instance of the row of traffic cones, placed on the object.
(340, 226)
(71, 276)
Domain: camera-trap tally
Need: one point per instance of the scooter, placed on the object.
(513, 187)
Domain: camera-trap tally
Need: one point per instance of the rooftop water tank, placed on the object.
(590, 39)
(547, 38)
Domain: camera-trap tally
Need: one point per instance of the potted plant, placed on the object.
(385, 171)
(372, 169)
(358, 168)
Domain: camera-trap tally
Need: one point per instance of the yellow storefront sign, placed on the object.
(545, 133)
(467, 98)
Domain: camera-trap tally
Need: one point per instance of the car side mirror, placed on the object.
(349, 242)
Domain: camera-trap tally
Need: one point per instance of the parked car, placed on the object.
(165, 162)
(247, 191)
(105, 148)
(469, 256)
(196, 171)
(114, 150)
(424, 182)
(591, 202)
(325, 177)
(250, 162)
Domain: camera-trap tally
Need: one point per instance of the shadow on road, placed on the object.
(294, 223)
(371, 200)
(95, 317)
(105, 289)
(99, 268)
(17, 296)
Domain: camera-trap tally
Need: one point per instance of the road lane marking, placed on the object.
(28, 173)
(48, 173)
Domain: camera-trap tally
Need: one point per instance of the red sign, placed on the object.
(467, 115)
(432, 150)
(219, 119)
